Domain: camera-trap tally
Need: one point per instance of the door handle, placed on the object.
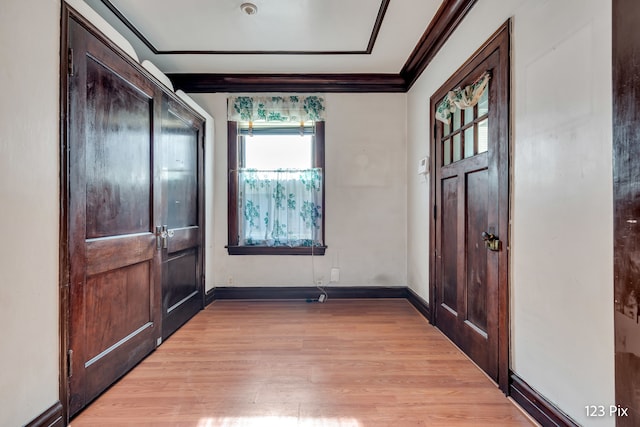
(162, 234)
(491, 241)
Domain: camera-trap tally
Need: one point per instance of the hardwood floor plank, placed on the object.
(345, 363)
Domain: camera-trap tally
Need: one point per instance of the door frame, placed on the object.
(499, 41)
(64, 262)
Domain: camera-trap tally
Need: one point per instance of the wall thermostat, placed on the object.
(423, 166)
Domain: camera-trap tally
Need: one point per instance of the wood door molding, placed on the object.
(63, 262)
(626, 205)
(500, 42)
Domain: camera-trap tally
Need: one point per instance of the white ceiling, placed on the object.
(316, 34)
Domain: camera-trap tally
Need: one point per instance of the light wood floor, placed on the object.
(344, 363)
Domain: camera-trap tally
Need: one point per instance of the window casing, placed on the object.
(237, 237)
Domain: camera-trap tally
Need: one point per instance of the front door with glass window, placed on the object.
(471, 214)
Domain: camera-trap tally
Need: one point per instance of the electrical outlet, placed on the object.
(335, 275)
(319, 282)
(230, 281)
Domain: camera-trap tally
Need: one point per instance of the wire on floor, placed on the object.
(324, 296)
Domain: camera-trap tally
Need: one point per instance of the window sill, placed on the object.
(276, 250)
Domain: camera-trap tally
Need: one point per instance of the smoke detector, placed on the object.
(249, 8)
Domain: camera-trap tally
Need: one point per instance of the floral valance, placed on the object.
(461, 98)
(294, 109)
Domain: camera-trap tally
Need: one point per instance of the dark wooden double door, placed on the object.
(470, 224)
(134, 210)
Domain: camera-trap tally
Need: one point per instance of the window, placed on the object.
(467, 133)
(464, 113)
(276, 188)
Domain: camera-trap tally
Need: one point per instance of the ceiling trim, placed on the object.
(199, 83)
(445, 21)
(372, 40)
(376, 26)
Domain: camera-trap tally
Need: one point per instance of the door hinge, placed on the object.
(70, 62)
(69, 363)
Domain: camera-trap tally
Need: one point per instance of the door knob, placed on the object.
(488, 236)
(491, 241)
(162, 234)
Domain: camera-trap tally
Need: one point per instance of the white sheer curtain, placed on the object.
(280, 207)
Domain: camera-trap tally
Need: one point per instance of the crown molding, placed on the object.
(444, 23)
(288, 82)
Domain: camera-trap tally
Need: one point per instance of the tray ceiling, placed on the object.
(289, 26)
(284, 36)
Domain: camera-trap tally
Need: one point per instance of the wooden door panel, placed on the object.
(180, 144)
(479, 161)
(181, 148)
(118, 303)
(449, 250)
(118, 154)
(476, 252)
(99, 373)
(114, 265)
(182, 276)
(183, 238)
(110, 253)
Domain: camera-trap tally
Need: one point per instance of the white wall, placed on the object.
(365, 199)
(562, 256)
(377, 209)
(29, 208)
